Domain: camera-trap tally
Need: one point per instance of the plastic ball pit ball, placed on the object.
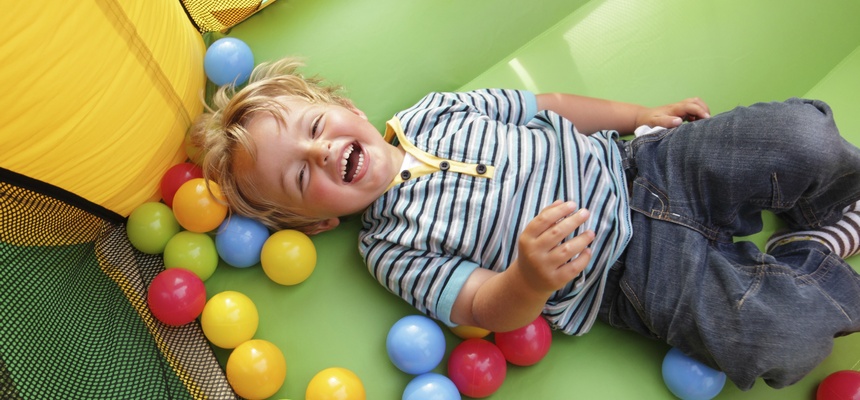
(415, 344)
(176, 296)
(256, 369)
(527, 345)
(469, 332)
(240, 240)
(431, 386)
(228, 60)
(192, 251)
(175, 177)
(477, 367)
(288, 257)
(335, 384)
(150, 226)
(229, 319)
(198, 210)
(689, 379)
(840, 385)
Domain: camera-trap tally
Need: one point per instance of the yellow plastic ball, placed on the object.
(256, 369)
(335, 384)
(198, 210)
(229, 319)
(288, 257)
(469, 332)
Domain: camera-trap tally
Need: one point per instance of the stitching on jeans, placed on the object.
(634, 299)
(811, 279)
(664, 213)
(631, 296)
(754, 287)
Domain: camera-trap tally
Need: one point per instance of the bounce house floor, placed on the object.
(390, 53)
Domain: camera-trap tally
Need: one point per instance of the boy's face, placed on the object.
(327, 161)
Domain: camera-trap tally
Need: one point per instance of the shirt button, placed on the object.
(444, 165)
(481, 169)
(405, 175)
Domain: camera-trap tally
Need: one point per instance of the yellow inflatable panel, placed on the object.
(98, 95)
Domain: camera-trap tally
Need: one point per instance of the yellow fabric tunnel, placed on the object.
(98, 95)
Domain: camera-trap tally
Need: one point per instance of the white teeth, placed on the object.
(360, 164)
(345, 159)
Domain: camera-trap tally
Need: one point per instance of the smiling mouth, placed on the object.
(352, 162)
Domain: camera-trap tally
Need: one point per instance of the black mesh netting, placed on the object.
(218, 15)
(73, 317)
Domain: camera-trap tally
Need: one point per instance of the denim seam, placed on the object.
(637, 305)
(810, 279)
(665, 214)
(760, 272)
(819, 273)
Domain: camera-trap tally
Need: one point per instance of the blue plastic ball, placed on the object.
(228, 60)
(689, 379)
(239, 241)
(431, 386)
(415, 344)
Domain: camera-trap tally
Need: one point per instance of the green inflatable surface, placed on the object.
(389, 53)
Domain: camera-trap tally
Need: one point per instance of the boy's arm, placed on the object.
(590, 114)
(511, 299)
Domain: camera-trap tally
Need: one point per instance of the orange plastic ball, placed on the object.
(198, 210)
(335, 384)
(288, 257)
(469, 332)
(256, 369)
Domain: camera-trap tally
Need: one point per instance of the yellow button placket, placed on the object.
(429, 163)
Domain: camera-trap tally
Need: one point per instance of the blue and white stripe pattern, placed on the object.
(424, 237)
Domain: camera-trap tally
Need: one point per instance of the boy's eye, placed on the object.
(301, 178)
(315, 126)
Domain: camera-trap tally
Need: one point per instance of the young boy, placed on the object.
(490, 208)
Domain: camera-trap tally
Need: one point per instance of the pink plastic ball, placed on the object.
(527, 345)
(840, 385)
(176, 296)
(477, 367)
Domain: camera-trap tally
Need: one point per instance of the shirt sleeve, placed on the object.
(429, 282)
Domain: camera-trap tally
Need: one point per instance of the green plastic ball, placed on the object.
(150, 226)
(193, 251)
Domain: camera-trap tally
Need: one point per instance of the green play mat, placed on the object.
(389, 53)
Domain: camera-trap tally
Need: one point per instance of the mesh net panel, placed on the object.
(220, 15)
(73, 316)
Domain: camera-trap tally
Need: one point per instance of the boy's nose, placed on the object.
(321, 152)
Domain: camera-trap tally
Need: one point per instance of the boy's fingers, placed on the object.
(563, 227)
(549, 217)
(574, 267)
(571, 248)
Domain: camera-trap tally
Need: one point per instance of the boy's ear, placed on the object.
(323, 226)
(351, 107)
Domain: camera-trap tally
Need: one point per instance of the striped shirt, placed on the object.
(488, 163)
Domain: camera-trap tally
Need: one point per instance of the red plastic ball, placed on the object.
(840, 385)
(176, 296)
(477, 367)
(527, 345)
(175, 177)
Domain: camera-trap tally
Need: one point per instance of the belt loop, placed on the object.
(628, 161)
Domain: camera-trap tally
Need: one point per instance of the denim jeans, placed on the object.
(685, 281)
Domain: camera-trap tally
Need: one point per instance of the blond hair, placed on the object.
(221, 134)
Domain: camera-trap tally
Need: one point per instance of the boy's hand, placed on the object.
(544, 263)
(672, 115)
